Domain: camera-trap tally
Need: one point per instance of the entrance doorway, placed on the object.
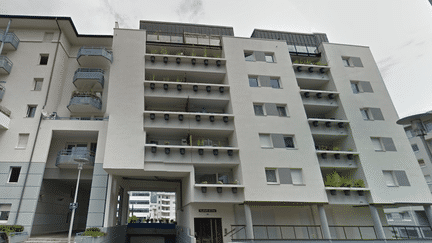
(208, 230)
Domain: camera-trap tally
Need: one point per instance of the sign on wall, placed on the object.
(207, 210)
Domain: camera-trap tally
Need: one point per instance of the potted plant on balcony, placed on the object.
(359, 183)
(347, 182)
(337, 156)
(219, 189)
(204, 189)
(333, 180)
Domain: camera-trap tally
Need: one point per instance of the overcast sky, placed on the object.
(398, 32)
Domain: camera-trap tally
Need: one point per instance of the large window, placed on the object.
(361, 87)
(276, 141)
(270, 109)
(383, 144)
(284, 176)
(264, 81)
(271, 175)
(352, 62)
(371, 114)
(281, 110)
(269, 57)
(274, 82)
(395, 178)
(37, 84)
(31, 110)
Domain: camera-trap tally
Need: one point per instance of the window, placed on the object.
(43, 59)
(31, 110)
(289, 142)
(421, 163)
(284, 176)
(211, 178)
(274, 82)
(258, 109)
(352, 62)
(276, 141)
(281, 110)
(271, 175)
(389, 216)
(37, 84)
(265, 141)
(377, 144)
(365, 114)
(4, 212)
(405, 216)
(395, 178)
(249, 56)
(415, 148)
(296, 175)
(355, 88)
(371, 114)
(383, 144)
(253, 82)
(361, 87)
(14, 174)
(428, 179)
(269, 58)
(345, 61)
(22, 140)
(409, 133)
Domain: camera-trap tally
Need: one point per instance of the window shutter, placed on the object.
(402, 178)
(285, 176)
(376, 113)
(377, 144)
(388, 177)
(259, 56)
(297, 177)
(265, 141)
(366, 86)
(388, 144)
(265, 81)
(278, 141)
(356, 61)
(271, 109)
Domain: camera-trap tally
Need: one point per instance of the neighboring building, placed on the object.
(247, 132)
(142, 207)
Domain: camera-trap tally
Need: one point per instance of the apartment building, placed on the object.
(278, 136)
(142, 206)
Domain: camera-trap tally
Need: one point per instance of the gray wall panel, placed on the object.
(366, 86)
(402, 178)
(285, 176)
(388, 144)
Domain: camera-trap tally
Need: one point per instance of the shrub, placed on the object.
(11, 228)
(94, 233)
(95, 229)
(359, 183)
(333, 180)
(133, 219)
(346, 182)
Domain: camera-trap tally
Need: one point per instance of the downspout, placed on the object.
(38, 127)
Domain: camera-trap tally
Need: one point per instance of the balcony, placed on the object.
(85, 102)
(192, 121)
(185, 38)
(68, 158)
(4, 117)
(197, 155)
(5, 65)
(336, 159)
(2, 92)
(94, 57)
(11, 41)
(328, 127)
(347, 195)
(89, 78)
(193, 91)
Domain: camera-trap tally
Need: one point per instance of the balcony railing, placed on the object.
(92, 77)
(186, 38)
(2, 91)
(10, 38)
(5, 111)
(95, 57)
(68, 158)
(408, 232)
(5, 65)
(84, 102)
(4, 118)
(277, 232)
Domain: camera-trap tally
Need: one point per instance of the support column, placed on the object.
(125, 208)
(377, 222)
(249, 223)
(428, 211)
(324, 222)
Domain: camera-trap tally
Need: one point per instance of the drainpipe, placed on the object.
(4, 36)
(38, 127)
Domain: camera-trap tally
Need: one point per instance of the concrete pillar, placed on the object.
(324, 222)
(428, 211)
(125, 208)
(249, 223)
(377, 222)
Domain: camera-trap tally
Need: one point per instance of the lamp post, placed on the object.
(74, 205)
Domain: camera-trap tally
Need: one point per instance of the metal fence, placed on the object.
(185, 38)
(68, 156)
(10, 38)
(408, 232)
(6, 64)
(95, 51)
(353, 232)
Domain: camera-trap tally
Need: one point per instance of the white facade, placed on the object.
(244, 130)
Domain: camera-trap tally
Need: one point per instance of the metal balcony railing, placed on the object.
(185, 38)
(2, 91)
(90, 73)
(69, 156)
(10, 38)
(6, 64)
(408, 232)
(85, 98)
(95, 51)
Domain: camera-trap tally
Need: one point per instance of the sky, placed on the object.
(398, 32)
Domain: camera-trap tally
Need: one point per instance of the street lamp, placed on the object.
(74, 205)
(417, 127)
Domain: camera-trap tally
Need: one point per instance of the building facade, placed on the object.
(142, 206)
(278, 136)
